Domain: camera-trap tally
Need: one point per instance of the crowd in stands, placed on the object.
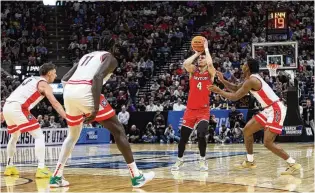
(23, 33)
(144, 36)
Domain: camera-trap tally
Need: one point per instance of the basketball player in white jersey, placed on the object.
(82, 96)
(16, 112)
(271, 118)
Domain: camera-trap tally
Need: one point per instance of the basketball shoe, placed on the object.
(141, 180)
(56, 182)
(11, 170)
(291, 169)
(203, 165)
(247, 164)
(179, 163)
(43, 173)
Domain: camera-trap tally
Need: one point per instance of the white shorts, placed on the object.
(272, 117)
(19, 119)
(78, 100)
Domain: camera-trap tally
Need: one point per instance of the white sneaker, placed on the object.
(179, 163)
(141, 180)
(56, 182)
(203, 165)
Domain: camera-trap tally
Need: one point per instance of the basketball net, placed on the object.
(272, 69)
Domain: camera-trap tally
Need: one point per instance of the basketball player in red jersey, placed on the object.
(198, 108)
(271, 118)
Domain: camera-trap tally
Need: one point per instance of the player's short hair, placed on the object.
(253, 65)
(45, 68)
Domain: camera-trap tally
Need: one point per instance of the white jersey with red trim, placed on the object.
(27, 93)
(265, 96)
(88, 66)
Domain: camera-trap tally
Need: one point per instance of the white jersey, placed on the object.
(265, 96)
(88, 66)
(27, 93)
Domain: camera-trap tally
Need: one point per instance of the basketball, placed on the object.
(197, 43)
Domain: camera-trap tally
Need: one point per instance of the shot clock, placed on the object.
(277, 25)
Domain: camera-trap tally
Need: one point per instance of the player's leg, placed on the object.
(8, 115)
(107, 117)
(202, 131)
(273, 128)
(250, 128)
(42, 170)
(188, 124)
(75, 123)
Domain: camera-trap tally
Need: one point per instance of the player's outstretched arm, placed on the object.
(188, 62)
(68, 75)
(234, 96)
(209, 61)
(227, 84)
(108, 66)
(46, 89)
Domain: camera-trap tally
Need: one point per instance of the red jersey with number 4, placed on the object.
(198, 97)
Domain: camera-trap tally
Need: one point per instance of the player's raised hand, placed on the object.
(205, 44)
(198, 53)
(91, 117)
(220, 76)
(214, 89)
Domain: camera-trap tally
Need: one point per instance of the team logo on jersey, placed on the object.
(104, 102)
(29, 117)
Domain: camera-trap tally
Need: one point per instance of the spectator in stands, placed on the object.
(237, 133)
(167, 105)
(141, 105)
(134, 134)
(224, 135)
(179, 106)
(308, 113)
(62, 122)
(233, 115)
(155, 86)
(123, 118)
(149, 135)
(46, 123)
(170, 134)
(159, 107)
(217, 103)
(151, 106)
(40, 120)
(212, 127)
(52, 122)
(133, 89)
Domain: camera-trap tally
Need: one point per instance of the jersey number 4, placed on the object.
(199, 85)
(86, 60)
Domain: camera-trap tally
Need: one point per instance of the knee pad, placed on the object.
(202, 129)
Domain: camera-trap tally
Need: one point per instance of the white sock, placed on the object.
(39, 146)
(180, 159)
(11, 148)
(67, 147)
(290, 160)
(202, 158)
(250, 157)
(133, 169)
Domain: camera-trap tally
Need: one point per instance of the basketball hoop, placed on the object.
(273, 69)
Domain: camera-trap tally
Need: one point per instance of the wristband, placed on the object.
(207, 49)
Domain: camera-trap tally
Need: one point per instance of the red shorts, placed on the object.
(19, 119)
(193, 116)
(76, 108)
(272, 117)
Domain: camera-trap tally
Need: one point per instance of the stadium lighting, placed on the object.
(49, 2)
